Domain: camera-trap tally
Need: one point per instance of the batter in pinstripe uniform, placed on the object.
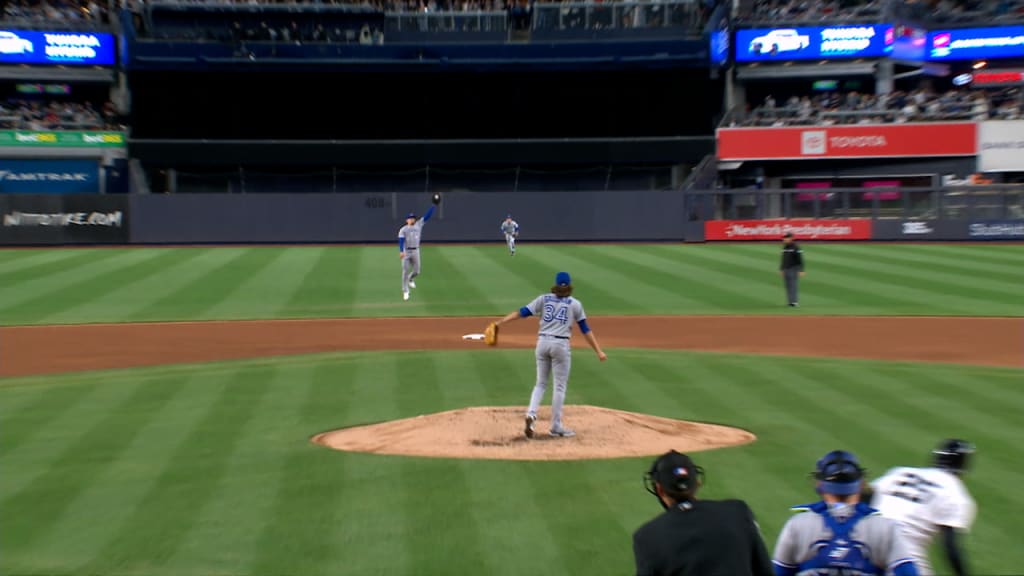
(409, 249)
(510, 228)
(556, 312)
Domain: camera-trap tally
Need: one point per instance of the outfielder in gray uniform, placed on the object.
(510, 228)
(840, 535)
(556, 313)
(409, 249)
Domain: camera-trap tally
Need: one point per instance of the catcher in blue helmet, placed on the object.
(839, 534)
(931, 501)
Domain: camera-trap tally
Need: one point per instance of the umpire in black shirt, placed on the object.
(792, 268)
(696, 537)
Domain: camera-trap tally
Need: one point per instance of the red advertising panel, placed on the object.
(857, 141)
(737, 230)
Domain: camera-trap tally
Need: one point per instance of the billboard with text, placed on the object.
(976, 43)
(747, 230)
(57, 48)
(813, 43)
(1001, 146)
(856, 141)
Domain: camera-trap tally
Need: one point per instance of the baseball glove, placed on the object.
(491, 334)
(436, 199)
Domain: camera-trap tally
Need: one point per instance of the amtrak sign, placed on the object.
(49, 176)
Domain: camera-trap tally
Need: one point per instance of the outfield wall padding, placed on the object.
(462, 217)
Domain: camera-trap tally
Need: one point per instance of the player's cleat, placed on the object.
(794, 304)
(412, 284)
(562, 433)
(530, 419)
(405, 295)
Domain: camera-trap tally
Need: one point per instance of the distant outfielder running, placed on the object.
(510, 228)
(409, 246)
(556, 313)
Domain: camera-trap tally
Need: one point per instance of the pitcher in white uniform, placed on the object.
(930, 501)
(556, 312)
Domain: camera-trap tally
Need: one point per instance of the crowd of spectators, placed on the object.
(810, 12)
(59, 14)
(895, 107)
(814, 11)
(35, 115)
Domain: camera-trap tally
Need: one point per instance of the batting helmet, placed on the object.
(953, 454)
(838, 472)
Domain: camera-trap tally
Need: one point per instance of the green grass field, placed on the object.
(207, 469)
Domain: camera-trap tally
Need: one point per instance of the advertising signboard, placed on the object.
(49, 177)
(61, 139)
(1001, 146)
(57, 48)
(813, 43)
(745, 230)
(976, 43)
(936, 139)
(64, 219)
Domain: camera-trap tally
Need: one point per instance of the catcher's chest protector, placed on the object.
(840, 555)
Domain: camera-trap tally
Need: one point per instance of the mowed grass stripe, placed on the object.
(39, 501)
(38, 263)
(187, 480)
(988, 253)
(202, 293)
(446, 287)
(83, 294)
(306, 519)
(99, 511)
(1009, 273)
(506, 280)
(270, 288)
(910, 273)
(131, 286)
(526, 538)
(224, 536)
(455, 550)
(330, 286)
(595, 286)
(660, 277)
(129, 302)
(14, 295)
(29, 415)
(724, 285)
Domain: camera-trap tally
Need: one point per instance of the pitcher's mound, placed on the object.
(496, 433)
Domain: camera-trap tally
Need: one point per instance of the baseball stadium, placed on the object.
(277, 280)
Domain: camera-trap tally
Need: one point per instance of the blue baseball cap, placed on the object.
(410, 215)
(563, 279)
(838, 472)
(508, 215)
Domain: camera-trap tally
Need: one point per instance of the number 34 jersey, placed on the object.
(557, 315)
(921, 500)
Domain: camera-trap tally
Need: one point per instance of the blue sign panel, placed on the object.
(817, 43)
(49, 177)
(971, 43)
(63, 48)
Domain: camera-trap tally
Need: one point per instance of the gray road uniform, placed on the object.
(409, 243)
(510, 228)
(852, 540)
(556, 317)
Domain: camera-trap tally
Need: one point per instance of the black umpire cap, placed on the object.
(675, 472)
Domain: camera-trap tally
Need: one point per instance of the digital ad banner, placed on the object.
(976, 43)
(948, 230)
(745, 230)
(1001, 146)
(64, 219)
(49, 177)
(57, 48)
(857, 141)
(813, 43)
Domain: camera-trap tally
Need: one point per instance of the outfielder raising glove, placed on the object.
(491, 334)
(436, 199)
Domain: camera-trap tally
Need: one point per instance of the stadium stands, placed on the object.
(34, 115)
(898, 107)
(55, 15)
(810, 12)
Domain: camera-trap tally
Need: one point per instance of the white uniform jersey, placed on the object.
(922, 500)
